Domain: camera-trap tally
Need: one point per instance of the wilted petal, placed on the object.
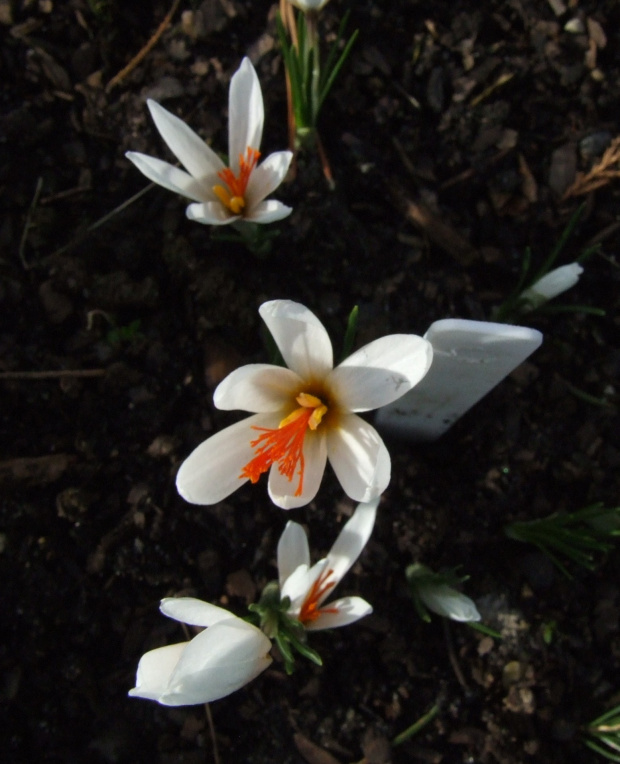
(210, 213)
(167, 175)
(359, 458)
(352, 540)
(350, 609)
(257, 387)
(193, 611)
(155, 669)
(268, 212)
(188, 147)
(293, 551)
(381, 372)
(216, 662)
(267, 177)
(211, 472)
(245, 113)
(282, 490)
(300, 337)
(446, 601)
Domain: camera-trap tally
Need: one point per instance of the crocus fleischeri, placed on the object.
(308, 587)
(304, 415)
(549, 286)
(224, 657)
(222, 194)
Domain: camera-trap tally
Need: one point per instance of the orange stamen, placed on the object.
(233, 196)
(285, 445)
(310, 610)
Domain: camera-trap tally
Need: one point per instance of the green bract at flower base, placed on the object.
(304, 415)
(222, 194)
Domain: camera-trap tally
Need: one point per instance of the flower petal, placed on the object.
(267, 177)
(245, 113)
(155, 669)
(350, 609)
(211, 472)
(300, 337)
(351, 540)
(293, 551)
(188, 147)
(381, 372)
(359, 458)
(282, 490)
(216, 662)
(193, 611)
(167, 175)
(210, 213)
(268, 212)
(446, 601)
(257, 387)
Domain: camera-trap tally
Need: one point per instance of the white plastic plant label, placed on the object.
(469, 359)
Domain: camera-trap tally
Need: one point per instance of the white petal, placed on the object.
(210, 213)
(282, 490)
(352, 540)
(267, 177)
(297, 586)
(193, 611)
(359, 458)
(350, 609)
(381, 372)
(259, 388)
(245, 113)
(446, 601)
(167, 175)
(155, 669)
(300, 337)
(211, 472)
(268, 212)
(218, 661)
(293, 551)
(188, 147)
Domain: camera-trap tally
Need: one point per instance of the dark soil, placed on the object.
(475, 118)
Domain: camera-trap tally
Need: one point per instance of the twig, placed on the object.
(116, 80)
(98, 223)
(327, 170)
(61, 374)
(600, 175)
(216, 753)
(28, 223)
(452, 656)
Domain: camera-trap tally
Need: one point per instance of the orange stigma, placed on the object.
(233, 195)
(310, 610)
(285, 445)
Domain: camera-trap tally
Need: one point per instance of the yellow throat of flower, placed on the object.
(284, 446)
(232, 194)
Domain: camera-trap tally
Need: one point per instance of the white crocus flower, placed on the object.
(308, 587)
(550, 285)
(222, 194)
(305, 415)
(228, 654)
(447, 602)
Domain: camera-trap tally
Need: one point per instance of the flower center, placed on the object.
(232, 195)
(310, 610)
(285, 445)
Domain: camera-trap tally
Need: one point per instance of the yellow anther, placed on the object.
(308, 401)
